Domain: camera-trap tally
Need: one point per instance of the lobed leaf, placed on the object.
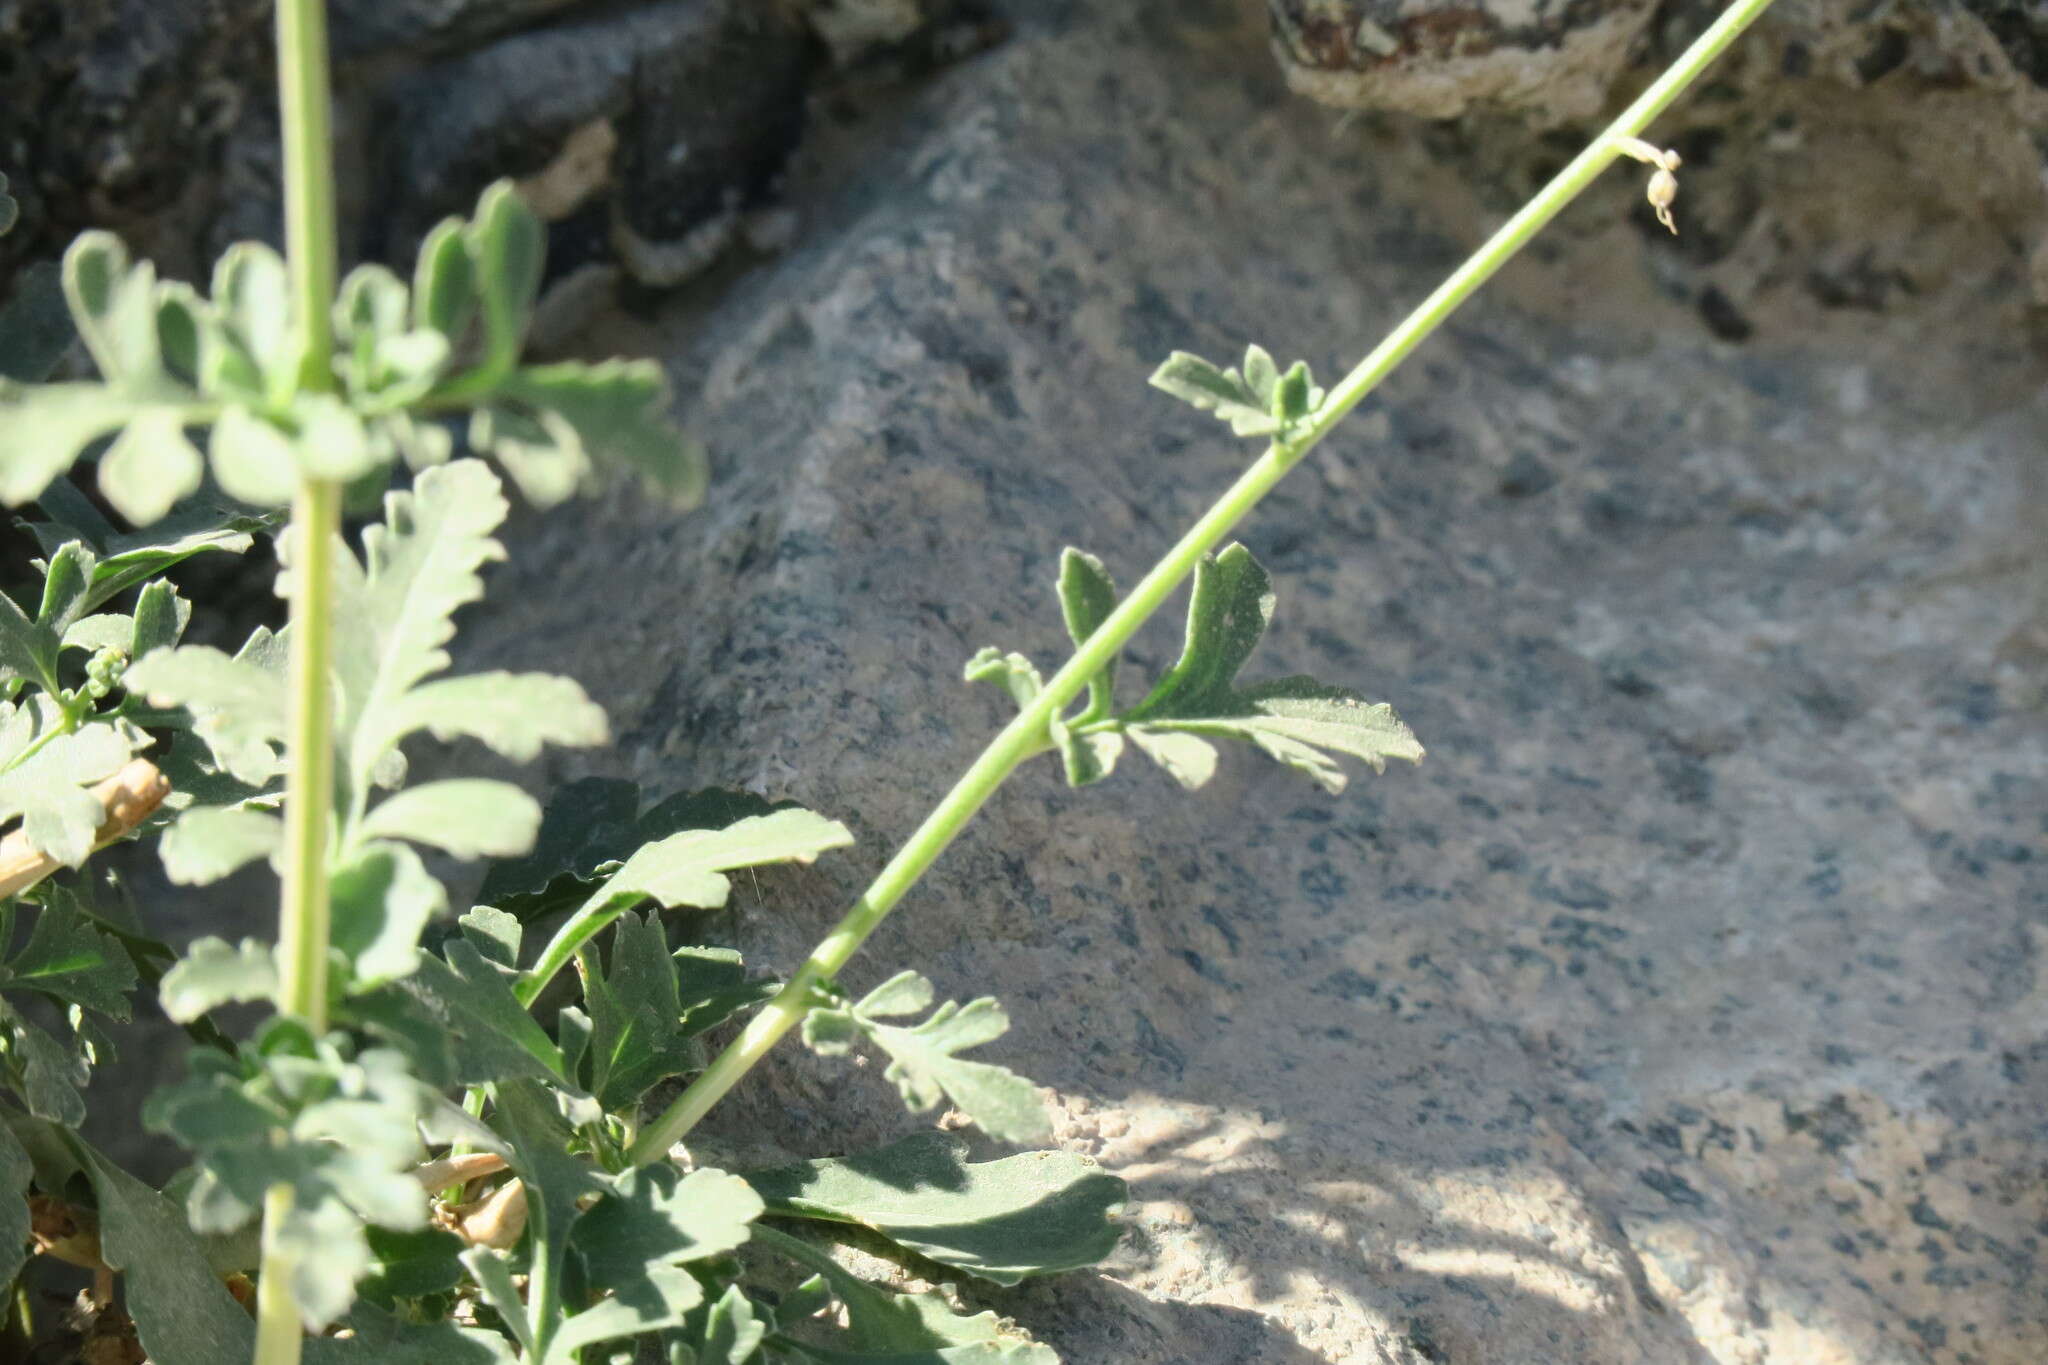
(654, 1217)
(1036, 1213)
(463, 817)
(208, 843)
(924, 1063)
(513, 713)
(68, 959)
(887, 1328)
(214, 972)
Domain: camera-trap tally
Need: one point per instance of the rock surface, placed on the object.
(1685, 1006)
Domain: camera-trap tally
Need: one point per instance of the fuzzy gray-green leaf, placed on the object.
(513, 713)
(1223, 392)
(1087, 597)
(210, 842)
(45, 427)
(466, 817)
(924, 1063)
(213, 973)
(383, 900)
(507, 244)
(617, 413)
(151, 466)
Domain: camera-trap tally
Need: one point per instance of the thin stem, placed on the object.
(1026, 735)
(305, 108)
(278, 1333)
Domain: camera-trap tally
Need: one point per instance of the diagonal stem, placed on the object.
(1026, 735)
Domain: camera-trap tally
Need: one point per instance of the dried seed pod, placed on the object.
(1663, 189)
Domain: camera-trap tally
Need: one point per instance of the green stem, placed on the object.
(305, 109)
(1026, 735)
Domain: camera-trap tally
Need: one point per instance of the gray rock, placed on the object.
(1684, 1007)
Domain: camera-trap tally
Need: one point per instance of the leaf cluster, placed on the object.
(1296, 720)
(409, 360)
(1260, 401)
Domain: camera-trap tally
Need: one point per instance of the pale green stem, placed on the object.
(1026, 735)
(278, 1333)
(305, 109)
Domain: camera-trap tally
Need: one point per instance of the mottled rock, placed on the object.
(1438, 58)
(1685, 1006)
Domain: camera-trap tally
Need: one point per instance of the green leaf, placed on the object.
(114, 305)
(67, 584)
(50, 788)
(507, 244)
(151, 466)
(513, 713)
(237, 704)
(472, 1000)
(494, 934)
(636, 1011)
(394, 611)
(1087, 756)
(557, 1182)
(378, 1338)
(209, 842)
(659, 1299)
(1013, 672)
(28, 648)
(464, 817)
(411, 1263)
(182, 1311)
(213, 973)
(16, 1170)
(493, 1275)
(35, 328)
(195, 527)
(44, 428)
(1187, 759)
(924, 1064)
(688, 868)
(160, 619)
(1036, 1213)
(538, 448)
(1295, 720)
(1195, 381)
(253, 460)
(1087, 597)
(68, 959)
(444, 295)
(331, 442)
(653, 1217)
(726, 1331)
(47, 1074)
(618, 414)
(383, 899)
(252, 291)
(885, 1328)
(1228, 612)
(342, 1134)
(1260, 402)
(596, 821)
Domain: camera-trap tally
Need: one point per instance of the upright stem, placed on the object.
(1026, 735)
(305, 99)
(309, 785)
